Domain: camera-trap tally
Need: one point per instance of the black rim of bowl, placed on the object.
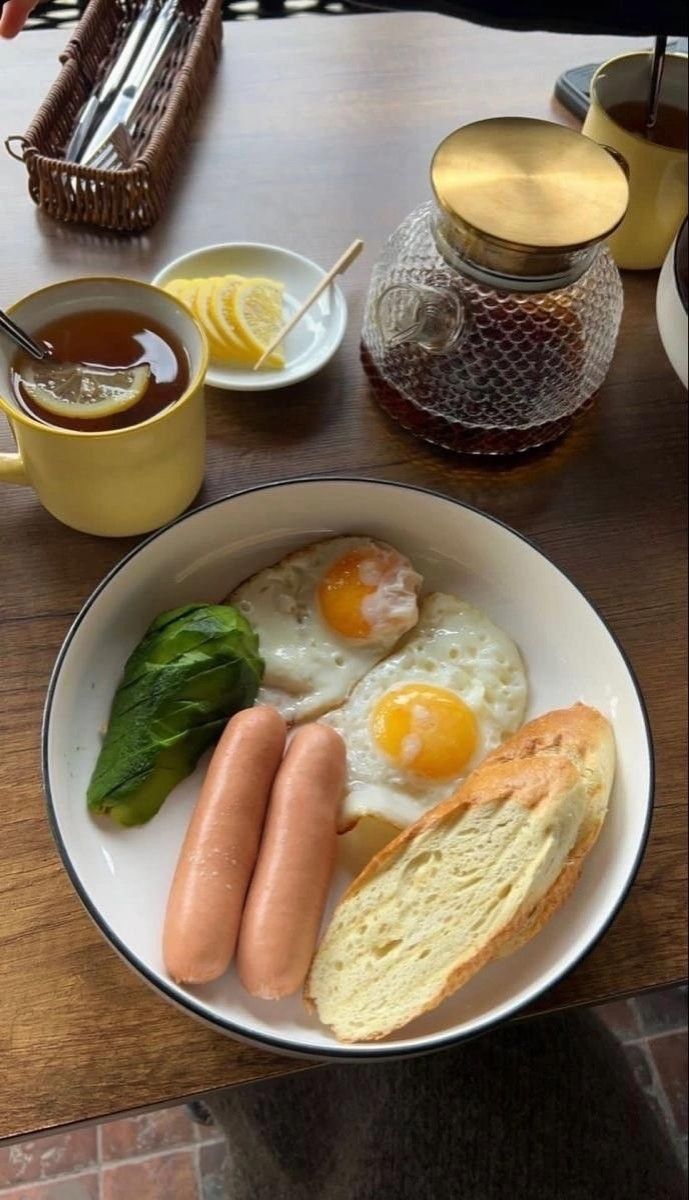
(305, 1049)
(681, 264)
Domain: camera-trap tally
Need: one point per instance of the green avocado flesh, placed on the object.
(194, 668)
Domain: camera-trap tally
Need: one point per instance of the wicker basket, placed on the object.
(131, 199)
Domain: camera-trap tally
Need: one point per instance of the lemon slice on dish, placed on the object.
(202, 305)
(200, 309)
(256, 307)
(222, 314)
(195, 293)
(225, 343)
(240, 316)
(177, 287)
(185, 290)
(77, 390)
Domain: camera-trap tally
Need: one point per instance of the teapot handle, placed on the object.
(432, 318)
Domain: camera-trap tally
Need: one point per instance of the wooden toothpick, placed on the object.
(338, 269)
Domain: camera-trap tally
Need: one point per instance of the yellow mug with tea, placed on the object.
(115, 446)
(656, 158)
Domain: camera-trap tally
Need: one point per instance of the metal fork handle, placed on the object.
(22, 339)
(107, 159)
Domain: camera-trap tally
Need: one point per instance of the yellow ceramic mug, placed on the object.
(124, 481)
(657, 174)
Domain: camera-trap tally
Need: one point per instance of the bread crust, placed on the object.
(581, 734)
(559, 752)
(586, 738)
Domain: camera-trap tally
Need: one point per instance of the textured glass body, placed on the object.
(476, 367)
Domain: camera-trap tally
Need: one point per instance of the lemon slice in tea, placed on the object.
(256, 307)
(77, 390)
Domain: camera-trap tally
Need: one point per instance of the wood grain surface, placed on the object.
(317, 130)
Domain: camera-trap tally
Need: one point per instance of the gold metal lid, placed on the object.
(531, 184)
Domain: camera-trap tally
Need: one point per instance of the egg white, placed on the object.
(309, 667)
(453, 646)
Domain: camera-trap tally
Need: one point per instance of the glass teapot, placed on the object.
(493, 312)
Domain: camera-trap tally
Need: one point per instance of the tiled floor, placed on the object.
(165, 1156)
(158, 1156)
(653, 1029)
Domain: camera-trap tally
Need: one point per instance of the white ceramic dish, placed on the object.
(312, 342)
(671, 304)
(122, 876)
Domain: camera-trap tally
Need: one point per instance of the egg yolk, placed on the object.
(425, 729)
(343, 589)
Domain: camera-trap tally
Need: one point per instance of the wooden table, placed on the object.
(317, 130)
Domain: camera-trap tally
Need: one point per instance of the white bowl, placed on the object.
(671, 304)
(123, 875)
(312, 342)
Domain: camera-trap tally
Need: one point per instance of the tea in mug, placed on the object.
(109, 369)
(670, 128)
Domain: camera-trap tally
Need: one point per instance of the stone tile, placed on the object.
(205, 1132)
(45, 1157)
(209, 1137)
(211, 1159)
(146, 1134)
(669, 1053)
(81, 1187)
(662, 1011)
(620, 1018)
(208, 1133)
(169, 1176)
(638, 1058)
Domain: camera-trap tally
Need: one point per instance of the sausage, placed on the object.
(219, 851)
(287, 896)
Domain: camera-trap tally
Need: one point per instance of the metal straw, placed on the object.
(657, 66)
(22, 339)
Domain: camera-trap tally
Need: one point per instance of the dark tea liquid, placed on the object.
(112, 338)
(669, 130)
(452, 434)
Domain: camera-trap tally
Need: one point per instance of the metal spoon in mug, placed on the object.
(657, 66)
(37, 350)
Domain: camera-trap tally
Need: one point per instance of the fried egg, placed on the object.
(324, 616)
(422, 719)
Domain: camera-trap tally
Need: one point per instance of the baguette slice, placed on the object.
(467, 880)
(441, 899)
